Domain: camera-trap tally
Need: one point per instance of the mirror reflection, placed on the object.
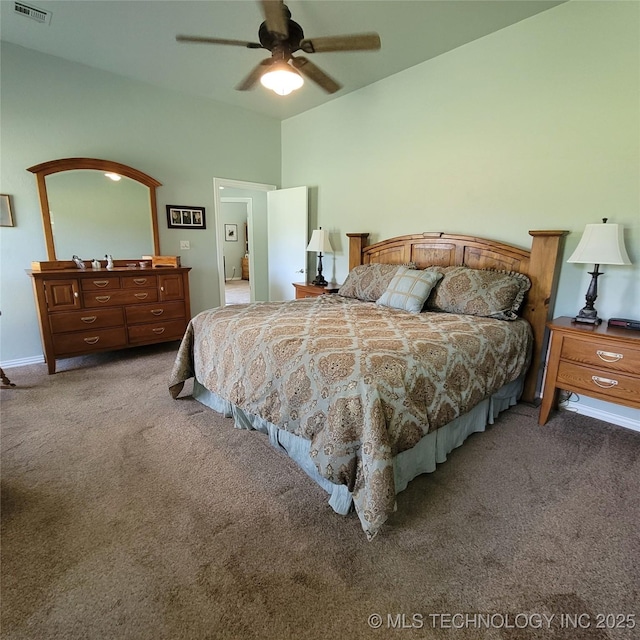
(93, 214)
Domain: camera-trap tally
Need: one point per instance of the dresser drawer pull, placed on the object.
(92, 340)
(605, 383)
(141, 296)
(89, 319)
(158, 330)
(101, 283)
(609, 356)
(140, 280)
(103, 298)
(157, 312)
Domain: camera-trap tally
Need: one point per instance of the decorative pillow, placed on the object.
(409, 289)
(368, 282)
(479, 292)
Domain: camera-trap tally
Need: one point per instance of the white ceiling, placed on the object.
(136, 39)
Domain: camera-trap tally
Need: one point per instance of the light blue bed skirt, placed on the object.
(431, 450)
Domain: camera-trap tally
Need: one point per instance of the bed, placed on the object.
(429, 338)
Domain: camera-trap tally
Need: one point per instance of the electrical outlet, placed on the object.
(185, 244)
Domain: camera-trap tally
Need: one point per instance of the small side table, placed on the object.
(307, 290)
(597, 361)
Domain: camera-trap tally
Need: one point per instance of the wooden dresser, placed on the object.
(86, 311)
(595, 361)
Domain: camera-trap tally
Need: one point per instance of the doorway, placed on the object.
(234, 213)
(255, 194)
(277, 237)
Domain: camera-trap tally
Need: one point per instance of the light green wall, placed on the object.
(50, 108)
(533, 127)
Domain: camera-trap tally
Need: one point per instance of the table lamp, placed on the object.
(320, 242)
(600, 244)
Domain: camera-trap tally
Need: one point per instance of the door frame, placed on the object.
(218, 186)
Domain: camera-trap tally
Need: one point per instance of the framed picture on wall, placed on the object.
(6, 216)
(231, 232)
(184, 217)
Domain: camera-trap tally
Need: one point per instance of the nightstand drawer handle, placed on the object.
(158, 330)
(157, 312)
(141, 296)
(605, 383)
(89, 319)
(103, 298)
(609, 356)
(92, 340)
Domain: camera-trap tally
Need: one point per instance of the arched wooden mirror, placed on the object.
(93, 207)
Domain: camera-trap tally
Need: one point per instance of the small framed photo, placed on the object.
(183, 217)
(231, 232)
(6, 216)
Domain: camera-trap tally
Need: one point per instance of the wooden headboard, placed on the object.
(540, 264)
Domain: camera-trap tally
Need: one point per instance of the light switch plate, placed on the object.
(185, 244)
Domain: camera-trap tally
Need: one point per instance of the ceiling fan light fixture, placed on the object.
(282, 79)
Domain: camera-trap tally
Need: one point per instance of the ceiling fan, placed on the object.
(280, 35)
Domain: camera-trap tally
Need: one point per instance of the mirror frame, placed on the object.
(44, 169)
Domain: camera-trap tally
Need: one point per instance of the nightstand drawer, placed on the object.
(616, 357)
(598, 382)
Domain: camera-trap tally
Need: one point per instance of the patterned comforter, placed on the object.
(360, 381)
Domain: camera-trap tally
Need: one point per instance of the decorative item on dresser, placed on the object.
(597, 361)
(306, 290)
(600, 244)
(84, 311)
(320, 242)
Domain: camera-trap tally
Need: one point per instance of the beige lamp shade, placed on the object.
(601, 244)
(320, 242)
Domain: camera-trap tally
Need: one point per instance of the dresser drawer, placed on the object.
(136, 282)
(86, 341)
(155, 312)
(81, 320)
(601, 355)
(162, 331)
(599, 382)
(98, 283)
(116, 297)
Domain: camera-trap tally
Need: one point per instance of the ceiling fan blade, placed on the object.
(307, 68)
(254, 75)
(206, 40)
(353, 42)
(274, 15)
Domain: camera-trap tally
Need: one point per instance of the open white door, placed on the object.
(288, 233)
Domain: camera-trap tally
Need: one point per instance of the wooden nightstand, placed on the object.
(600, 362)
(306, 290)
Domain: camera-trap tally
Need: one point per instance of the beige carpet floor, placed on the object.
(129, 515)
(237, 291)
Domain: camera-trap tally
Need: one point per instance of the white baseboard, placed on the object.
(20, 362)
(599, 414)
